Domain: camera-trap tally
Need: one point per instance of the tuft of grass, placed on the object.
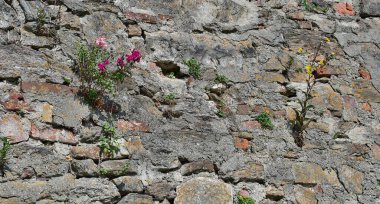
(245, 200)
(66, 81)
(125, 168)
(169, 97)
(221, 79)
(103, 171)
(314, 7)
(194, 67)
(221, 113)
(265, 121)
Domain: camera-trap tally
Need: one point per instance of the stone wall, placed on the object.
(184, 152)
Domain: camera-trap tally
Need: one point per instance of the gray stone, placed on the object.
(91, 190)
(370, 8)
(44, 161)
(116, 168)
(193, 192)
(191, 145)
(196, 167)
(8, 16)
(70, 112)
(352, 179)
(134, 198)
(84, 168)
(128, 184)
(114, 30)
(161, 190)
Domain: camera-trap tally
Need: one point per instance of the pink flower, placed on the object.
(135, 56)
(101, 67)
(120, 62)
(101, 41)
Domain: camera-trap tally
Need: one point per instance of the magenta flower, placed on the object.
(135, 56)
(120, 62)
(101, 41)
(102, 66)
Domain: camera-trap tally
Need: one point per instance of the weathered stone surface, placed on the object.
(365, 91)
(352, 179)
(8, 16)
(359, 135)
(114, 30)
(128, 184)
(311, 174)
(196, 167)
(179, 143)
(251, 172)
(305, 195)
(15, 128)
(44, 161)
(84, 168)
(125, 126)
(370, 8)
(70, 113)
(134, 198)
(117, 168)
(161, 190)
(376, 151)
(325, 97)
(93, 190)
(193, 192)
(53, 135)
(90, 151)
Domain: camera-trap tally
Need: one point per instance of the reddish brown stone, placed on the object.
(85, 152)
(132, 125)
(365, 74)
(252, 124)
(243, 109)
(241, 143)
(53, 135)
(14, 128)
(15, 105)
(344, 9)
(15, 102)
(164, 17)
(366, 106)
(141, 17)
(43, 88)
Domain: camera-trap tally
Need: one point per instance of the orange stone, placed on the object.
(241, 143)
(344, 9)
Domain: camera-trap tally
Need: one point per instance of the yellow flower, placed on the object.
(308, 69)
(333, 54)
(300, 50)
(327, 40)
(321, 62)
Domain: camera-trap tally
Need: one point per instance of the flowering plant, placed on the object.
(98, 75)
(319, 61)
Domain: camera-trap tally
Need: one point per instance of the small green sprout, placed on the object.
(265, 121)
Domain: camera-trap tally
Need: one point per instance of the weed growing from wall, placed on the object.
(6, 146)
(265, 121)
(302, 121)
(194, 67)
(245, 200)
